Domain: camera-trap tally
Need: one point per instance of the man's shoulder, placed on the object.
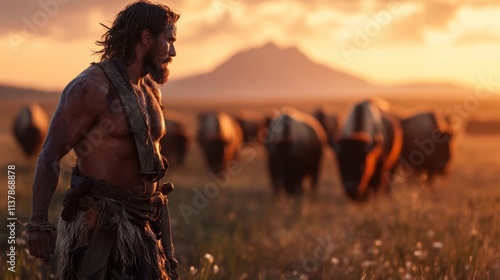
(91, 82)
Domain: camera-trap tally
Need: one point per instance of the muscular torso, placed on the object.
(107, 151)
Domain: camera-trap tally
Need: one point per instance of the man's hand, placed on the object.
(41, 244)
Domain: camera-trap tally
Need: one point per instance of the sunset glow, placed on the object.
(44, 44)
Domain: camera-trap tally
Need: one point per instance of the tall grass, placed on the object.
(449, 231)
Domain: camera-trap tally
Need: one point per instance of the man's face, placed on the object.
(160, 55)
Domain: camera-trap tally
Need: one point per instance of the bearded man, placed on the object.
(115, 217)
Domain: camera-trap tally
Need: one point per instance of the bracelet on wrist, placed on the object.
(43, 226)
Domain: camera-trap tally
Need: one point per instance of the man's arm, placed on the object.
(81, 103)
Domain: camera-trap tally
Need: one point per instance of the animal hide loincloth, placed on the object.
(135, 251)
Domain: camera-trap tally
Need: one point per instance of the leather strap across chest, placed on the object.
(153, 165)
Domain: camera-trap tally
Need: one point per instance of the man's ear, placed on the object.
(146, 37)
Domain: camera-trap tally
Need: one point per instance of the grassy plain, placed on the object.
(448, 231)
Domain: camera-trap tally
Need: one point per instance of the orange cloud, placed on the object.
(477, 38)
(211, 31)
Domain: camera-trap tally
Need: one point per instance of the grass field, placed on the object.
(449, 231)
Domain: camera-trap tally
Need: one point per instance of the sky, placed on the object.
(46, 43)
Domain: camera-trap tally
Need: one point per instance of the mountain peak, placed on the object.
(269, 59)
(268, 49)
(269, 71)
(269, 46)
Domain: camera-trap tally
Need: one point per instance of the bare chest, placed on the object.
(149, 108)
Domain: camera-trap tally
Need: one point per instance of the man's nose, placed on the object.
(171, 50)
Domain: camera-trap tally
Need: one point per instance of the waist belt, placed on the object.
(84, 192)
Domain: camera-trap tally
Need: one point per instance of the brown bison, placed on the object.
(294, 146)
(427, 145)
(367, 148)
(174, 144)
(30, 128)
(250, 123)
(219, 137)
(329, 123)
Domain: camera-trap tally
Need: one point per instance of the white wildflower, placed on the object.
(437, 245)
(209, 258)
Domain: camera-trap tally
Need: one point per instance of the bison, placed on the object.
(294, 144)
(174, 144)
(367, 148)
(219, 137)
(30, 128)
(427, 145)
(329, 123)
(251, 123)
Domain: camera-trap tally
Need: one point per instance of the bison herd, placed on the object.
(372, 145)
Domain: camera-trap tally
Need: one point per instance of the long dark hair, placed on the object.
(120, 39)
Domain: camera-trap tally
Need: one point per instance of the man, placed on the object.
(115, 221)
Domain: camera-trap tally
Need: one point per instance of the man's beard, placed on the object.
(158, 70)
